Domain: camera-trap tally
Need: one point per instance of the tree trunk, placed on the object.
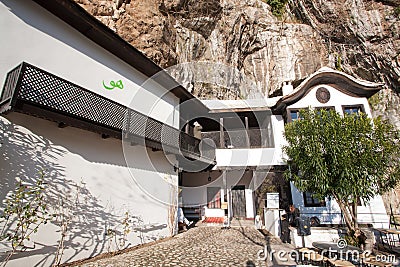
(346, 214)
(354, 215)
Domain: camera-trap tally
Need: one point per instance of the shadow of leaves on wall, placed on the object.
(24, 156)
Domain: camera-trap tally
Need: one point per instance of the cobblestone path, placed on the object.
(199, 246)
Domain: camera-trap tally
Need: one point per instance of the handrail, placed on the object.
(41, 93)
(250, 138)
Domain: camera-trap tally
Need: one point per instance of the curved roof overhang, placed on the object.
(339, 80)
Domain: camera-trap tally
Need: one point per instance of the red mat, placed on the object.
(213, 220)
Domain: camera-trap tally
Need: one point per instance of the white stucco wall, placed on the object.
(249, 203)
(337, 100)
(39, 38)
(271, 219)
(243, 157)
(373, 213)
(278, 126)
(71, 156)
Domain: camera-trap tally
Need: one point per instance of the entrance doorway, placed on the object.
(238, 201)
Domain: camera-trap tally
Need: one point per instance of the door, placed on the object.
(238, 201)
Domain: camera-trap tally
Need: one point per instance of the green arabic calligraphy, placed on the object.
(113, 84)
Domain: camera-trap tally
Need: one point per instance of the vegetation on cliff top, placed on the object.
(277, 6)
(397, 11)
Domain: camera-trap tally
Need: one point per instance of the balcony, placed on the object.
(251, 138)
(29, 89)
(244, 148)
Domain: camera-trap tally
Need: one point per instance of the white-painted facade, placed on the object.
(371, 213)
(243, 166)
(194, 193)
(108, 189)
(81, 165)
(255, 157)
(78, 164)
(272, 221)
(43, 40)
(262, 158)
(337, 100)
(239, 159)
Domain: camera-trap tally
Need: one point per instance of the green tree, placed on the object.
(24, 212)
(277, 6)
(346, 158)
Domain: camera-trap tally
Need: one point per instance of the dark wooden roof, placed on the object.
(77, 17)
(336, 79)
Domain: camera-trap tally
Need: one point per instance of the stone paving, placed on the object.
(202, 246)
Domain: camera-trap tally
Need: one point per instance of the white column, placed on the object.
(278, 127)
(249, 203)
(271, 218)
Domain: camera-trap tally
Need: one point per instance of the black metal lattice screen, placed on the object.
(54, 93)
(31, 85)
(11, 84)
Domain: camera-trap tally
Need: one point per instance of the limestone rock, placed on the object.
(360, 37)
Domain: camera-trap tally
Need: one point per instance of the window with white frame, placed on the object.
(294, 114)
(356, 109)
(311, 201)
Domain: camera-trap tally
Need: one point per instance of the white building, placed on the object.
(73, 89)
(247, 138)
(330, 89)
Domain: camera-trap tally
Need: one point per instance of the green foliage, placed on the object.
(338, 62)
(374, 101)
(266, 187)
(25, 211)
(346, 157)
(397, 11)
(277, 6)
(119, 236)
(353, 239)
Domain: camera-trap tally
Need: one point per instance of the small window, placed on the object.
(353, 109)
(213, 197)
(310, 201)
(295, 115)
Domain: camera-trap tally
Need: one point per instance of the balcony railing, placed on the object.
(251, 138)
(32, 90)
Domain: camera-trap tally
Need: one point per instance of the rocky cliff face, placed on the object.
(241, 34)
(359, 37)
(363, 38)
